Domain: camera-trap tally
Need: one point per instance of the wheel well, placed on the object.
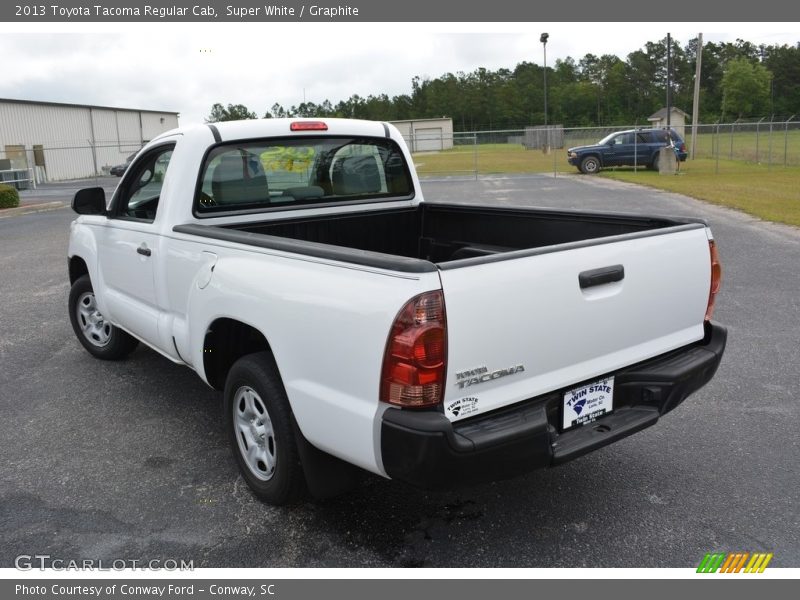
(226, 341)
(592, 155)
(77, 269)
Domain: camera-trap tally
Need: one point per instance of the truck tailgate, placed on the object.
(528, 325)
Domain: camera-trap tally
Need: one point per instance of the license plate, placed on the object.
(588, 402)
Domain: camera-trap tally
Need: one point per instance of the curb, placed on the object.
(31, 208)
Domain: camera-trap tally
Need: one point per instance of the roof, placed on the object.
(661, 113)
(422, 120)
(44, 103)
(225, 131)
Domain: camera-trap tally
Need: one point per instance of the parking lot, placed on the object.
(128, 460)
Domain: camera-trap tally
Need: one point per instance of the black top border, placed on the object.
(371, 11)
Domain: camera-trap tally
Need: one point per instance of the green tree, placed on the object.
(596, 90)
(784, 64)
(233, 112)
(745, 88)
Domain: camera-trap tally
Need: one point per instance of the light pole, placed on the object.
(543, 39)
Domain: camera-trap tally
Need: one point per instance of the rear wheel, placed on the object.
(260, 428)
(93, 331)
(590, 165)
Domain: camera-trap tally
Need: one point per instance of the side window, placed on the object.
(624, 138)
(141, 190)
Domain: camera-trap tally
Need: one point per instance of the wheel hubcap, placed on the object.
(254, 433)
(93, 326)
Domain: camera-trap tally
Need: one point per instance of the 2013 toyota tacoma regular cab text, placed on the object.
(294, 265)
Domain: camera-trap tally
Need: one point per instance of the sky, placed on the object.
(186, 68)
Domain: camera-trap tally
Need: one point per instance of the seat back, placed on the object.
(356, 175)
(239, 179)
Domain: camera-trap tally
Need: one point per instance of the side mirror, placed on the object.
(90, 201)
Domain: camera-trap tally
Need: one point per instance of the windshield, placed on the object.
(606, 140)
(279, 173)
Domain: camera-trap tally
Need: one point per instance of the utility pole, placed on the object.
(669, 78)
(543, 39)
(696, 101)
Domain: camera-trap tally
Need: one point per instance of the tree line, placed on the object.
(738, 80)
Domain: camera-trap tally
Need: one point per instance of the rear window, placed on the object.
(660, 136)
(281, 173)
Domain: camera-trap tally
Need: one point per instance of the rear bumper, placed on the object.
(427, 450)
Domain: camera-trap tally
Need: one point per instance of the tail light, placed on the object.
(683, 147)
(308, 126)
(716, 279)
(415, 359)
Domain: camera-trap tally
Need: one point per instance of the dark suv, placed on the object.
(632, 147)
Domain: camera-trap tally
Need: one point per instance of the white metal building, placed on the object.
(53, 141)
(677, 119)
(427, 135)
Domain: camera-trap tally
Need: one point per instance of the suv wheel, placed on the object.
(590, 165)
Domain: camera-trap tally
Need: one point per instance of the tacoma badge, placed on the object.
(470, 377)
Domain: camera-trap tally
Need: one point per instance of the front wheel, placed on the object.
(93, 331)
(590, 165)
(258, 419)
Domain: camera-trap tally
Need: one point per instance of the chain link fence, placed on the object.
(27, 167)
(761, 141)
(767, 142)
(445, 154)
(770, 142)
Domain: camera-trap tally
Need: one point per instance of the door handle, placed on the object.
(601, 276)
(144, 250)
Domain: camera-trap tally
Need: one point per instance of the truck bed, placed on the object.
(431, 236)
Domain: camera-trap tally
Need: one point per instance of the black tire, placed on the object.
(100, 338)
(654, 164)
(260, 428)
(590, 165)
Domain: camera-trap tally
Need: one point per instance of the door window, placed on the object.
(141, 188)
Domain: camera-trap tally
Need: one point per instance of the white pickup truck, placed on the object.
(294, 265)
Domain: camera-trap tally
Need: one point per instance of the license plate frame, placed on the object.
(587, 403)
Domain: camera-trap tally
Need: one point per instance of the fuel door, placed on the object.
(209, 261)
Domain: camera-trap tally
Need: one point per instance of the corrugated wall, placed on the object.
(78, 141)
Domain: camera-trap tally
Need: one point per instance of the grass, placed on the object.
(489, 159)
(770, 192)
(762, 147)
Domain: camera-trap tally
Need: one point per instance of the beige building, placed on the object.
(426, 135)
(677, 120)
(53, 141)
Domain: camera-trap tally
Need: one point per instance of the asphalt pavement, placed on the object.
(128, 460)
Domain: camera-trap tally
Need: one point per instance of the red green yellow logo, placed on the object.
(734, 562)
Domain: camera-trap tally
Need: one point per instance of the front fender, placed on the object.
(83, 245)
